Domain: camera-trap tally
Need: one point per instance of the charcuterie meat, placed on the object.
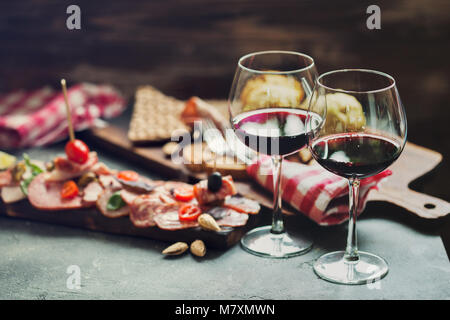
(5, 178)
(216, 212)
(46, 195)
(12, 193)
(143, 209)
(91, 192)
(232, 218)
(142, 185)
(128, 196)
(147, 202)
(205, 196)
(65, 169)
(166, 218)
(109, 182)
(242, 204)
(101, 168)
(172, 185)
(102, 203)
(167, 199)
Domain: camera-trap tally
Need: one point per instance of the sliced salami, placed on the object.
(242, 204)
(167, 219)
(91, 192)
(102, 203)
(46, 195)
(65, 169)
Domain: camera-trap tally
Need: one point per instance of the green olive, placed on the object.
(49, 166)
(18, 171)
(86, 178)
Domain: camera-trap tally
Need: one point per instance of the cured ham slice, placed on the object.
(242, 204)
(167, 199)
(101, 168)
(65, 169)
(128, 196)
(46, 195)
(143, 210)
(102, 203)
(12, 193)
(91, 192)
(172, 185)
(216, 212)
(227, 217)
(5, 178)
(109, 182)
(142, 185)
(205, 196)
(167, 219)
(232, 218)
(162, 191)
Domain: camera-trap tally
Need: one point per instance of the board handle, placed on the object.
(421, 204)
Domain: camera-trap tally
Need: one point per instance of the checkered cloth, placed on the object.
(312, 190)
(36, 118)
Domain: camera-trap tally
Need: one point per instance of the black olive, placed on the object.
(215, 182)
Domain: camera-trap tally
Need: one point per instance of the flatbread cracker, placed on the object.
(155, 116)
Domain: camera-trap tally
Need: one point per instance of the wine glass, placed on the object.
(268, 106)
(356, 129)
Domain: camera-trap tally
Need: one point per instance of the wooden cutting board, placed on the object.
(414, 162)
(92, 219)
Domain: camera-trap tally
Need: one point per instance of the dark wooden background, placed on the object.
(191, 48)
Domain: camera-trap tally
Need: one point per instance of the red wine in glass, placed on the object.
(355, 155)
(363, 132)
(272, 131)
(273, 128)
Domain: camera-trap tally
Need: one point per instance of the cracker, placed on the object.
(155, 116)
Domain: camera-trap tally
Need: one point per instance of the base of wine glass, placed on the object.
(263, 243)
(368, 269)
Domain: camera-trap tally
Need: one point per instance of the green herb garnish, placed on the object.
(115, 202)
(35, 170)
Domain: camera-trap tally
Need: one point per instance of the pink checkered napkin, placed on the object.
(36, 118)
(312, 190)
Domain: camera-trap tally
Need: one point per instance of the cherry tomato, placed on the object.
(184, 194)
(196, 191)
(69, 190)
(189, 212)
(128, 175)
(77, 151)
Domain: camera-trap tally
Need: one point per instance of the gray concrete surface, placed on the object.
(35, 257)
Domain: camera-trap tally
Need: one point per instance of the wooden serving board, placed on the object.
(414, 162)
(92, 219)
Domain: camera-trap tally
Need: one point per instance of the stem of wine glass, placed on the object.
(351, 251)
(277, 217)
